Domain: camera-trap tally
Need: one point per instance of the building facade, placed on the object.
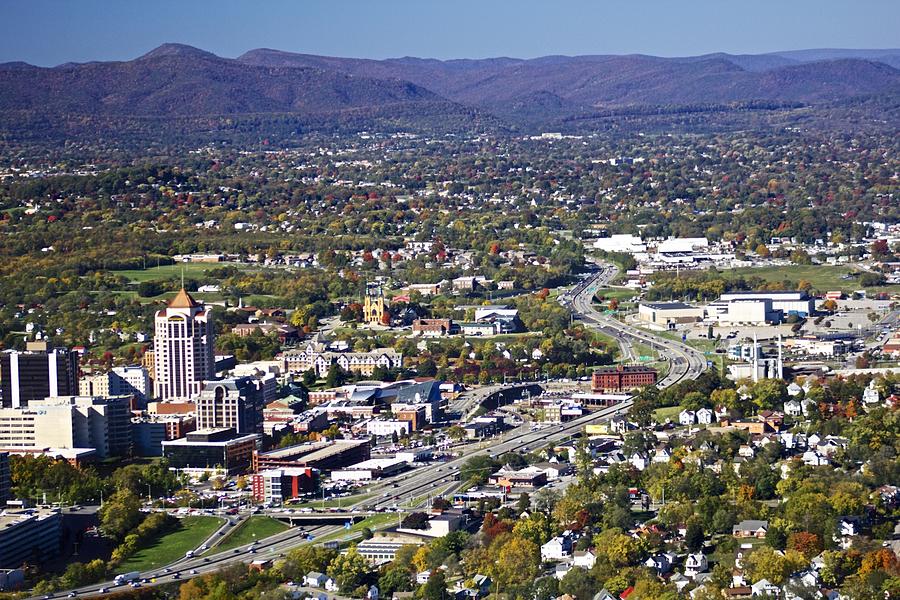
(236, 403)
(621, 378)
(277, 485)
(182, 349)
(36, 373)
(211, 450)
(29, 535)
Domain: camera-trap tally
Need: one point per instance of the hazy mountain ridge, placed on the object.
(178, 81)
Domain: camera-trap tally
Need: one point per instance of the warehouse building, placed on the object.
(669, 314)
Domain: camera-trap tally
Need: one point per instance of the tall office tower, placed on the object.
(38, 372)
(182, 349)
(235, 403)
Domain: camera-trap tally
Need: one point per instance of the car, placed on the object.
(167, 570)
(385, 495)
(236, 550)
(176, 576)
(72, 594)
(145, 580)
(103, 590)
(193, 571)
(252, 550)
(206, 559)
(204, 547)
(48, 596)
(135, 584)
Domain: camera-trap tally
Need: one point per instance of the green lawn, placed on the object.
(174, 271)
(669, 412)
(823, 278)
(334, 502)
(255, 528)
(374, 522)
(172, 546)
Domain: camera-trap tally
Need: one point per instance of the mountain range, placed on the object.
(181, 82)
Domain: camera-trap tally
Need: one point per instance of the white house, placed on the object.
(793, 389)
(318, 580)
(695, 563)
(687, 417)
(764, 587)
(558, 548)
(662, 563)
(584, 559)
(811, 458)
(792, 408)
(871, 395)
(705, 416)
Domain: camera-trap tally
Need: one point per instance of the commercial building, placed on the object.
(668, 314)
(323, 456)
(235, 403)
(38, 372)
(789, 303)
(120, 381)
(182, 349)
(621, 378)
(381, 427)
(29, 535)
(148, 433)
(383, 549)
(274, 486)
(5, 478)
(219, 450)
(432, 327)
(70, 422)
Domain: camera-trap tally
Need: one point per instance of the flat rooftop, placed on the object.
(314, 450)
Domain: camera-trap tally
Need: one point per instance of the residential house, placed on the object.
(750, 528)
(705, 416)
(687, 417)
(695, 563)
(558, 548)
(585, 559)
(765, 588)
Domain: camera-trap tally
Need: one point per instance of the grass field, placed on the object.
(335, 502)
(822, 277)
(254, 528)
(174, 271)
(374, 522)
(172, 546)
(669, 412)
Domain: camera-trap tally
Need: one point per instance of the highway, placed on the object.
(413, 488)
(684, 362)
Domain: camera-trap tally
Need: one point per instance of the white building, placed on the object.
(182, 349)
(387, 427)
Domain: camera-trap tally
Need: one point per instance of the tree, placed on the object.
(518, 562)
(456, 433)
(578, 583)
(524, 503)
(693, 538)
(766, 563)
(336, 376)
(806, 543)
(120, 514)
(536, 528)
(435, 588)
(349, 571)
(416, 520)
(301, 561)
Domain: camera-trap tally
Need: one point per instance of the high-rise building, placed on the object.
(5, 478)
(120, 381)
(182, 349)
(236, 403)
(36, 373)
(69, 422)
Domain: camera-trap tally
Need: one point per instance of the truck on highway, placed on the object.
(127, 577)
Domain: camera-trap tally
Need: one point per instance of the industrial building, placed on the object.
(668, 314)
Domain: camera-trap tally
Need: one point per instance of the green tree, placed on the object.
(348, 570)
(120, 514)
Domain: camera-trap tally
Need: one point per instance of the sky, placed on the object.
(50, 32)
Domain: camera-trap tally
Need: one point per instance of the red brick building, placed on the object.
(621, 378)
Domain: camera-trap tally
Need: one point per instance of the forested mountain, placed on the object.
(271, 93)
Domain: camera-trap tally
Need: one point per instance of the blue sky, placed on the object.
(49, 32)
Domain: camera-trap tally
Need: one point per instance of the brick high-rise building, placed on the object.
(182, 349)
